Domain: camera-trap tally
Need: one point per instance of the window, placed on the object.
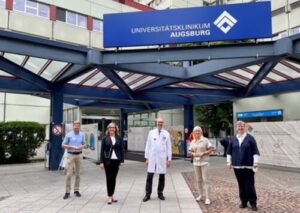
(32, 7)
(296, 30)
(97, 25)
(2, 3)
(75, 19)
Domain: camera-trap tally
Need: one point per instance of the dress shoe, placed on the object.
(254, 208)
(161, 196)
(146, 198)
(243, 205)
(66, 196)
(77, 194)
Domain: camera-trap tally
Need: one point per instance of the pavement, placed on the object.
(32, 188)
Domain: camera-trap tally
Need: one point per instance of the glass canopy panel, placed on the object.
(94, 79)
(105, 83)
(275, 77)
(132, 78)
(287, 71)
(35, 64)
(254, 68)
(53, 69)
(243, 73)
(5, 74)
(141, 82)
(234, 78)
(294, 64)
(81, 78)
(17, 59)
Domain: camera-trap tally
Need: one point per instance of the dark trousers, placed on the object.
(111, 172)
(161, 184)
(225, 150)
(245, 178)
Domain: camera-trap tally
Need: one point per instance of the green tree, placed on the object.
(215, 118)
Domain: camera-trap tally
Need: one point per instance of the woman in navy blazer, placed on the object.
(243, 156)
(111, 158)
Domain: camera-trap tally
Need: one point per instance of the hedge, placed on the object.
(19, 140)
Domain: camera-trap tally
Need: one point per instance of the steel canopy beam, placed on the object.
(15, 85)
(153, 69)
(20, 72)
(73, 72)
(260, 75)
(195, 91)
(21, 44)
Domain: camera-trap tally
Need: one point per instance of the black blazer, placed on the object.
(242, 155)
(107, 148)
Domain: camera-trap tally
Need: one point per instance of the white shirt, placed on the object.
(113, 155)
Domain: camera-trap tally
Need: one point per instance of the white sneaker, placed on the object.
(207, 201)
(199, 198)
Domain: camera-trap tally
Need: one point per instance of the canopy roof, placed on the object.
(148, 79)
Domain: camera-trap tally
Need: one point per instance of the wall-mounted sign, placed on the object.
(256, 114)
(213, 23)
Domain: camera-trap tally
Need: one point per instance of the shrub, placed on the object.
(19, 140)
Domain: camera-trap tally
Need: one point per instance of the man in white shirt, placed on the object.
(243, 156)
(158, 155)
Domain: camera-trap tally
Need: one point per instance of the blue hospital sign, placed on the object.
(213, 23)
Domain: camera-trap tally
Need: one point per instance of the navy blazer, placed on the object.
(107, 147)
(242, 155)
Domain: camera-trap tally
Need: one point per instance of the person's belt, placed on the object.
(74, 153)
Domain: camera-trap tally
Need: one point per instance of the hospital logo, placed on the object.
(225, 22)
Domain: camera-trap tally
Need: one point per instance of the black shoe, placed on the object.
(146, 198)
(243, 205)
(254, 208)
(161, 196)
(77, 194)
(66, 196)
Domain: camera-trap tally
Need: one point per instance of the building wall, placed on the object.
(289, 102)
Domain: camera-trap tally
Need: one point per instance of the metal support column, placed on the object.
(124, 126)
(56, 128)
(188, 124)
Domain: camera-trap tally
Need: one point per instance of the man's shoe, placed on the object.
(77, 194)
(254, 208)
(146, 198)
(66, 196)
(161, 196)
(243, 205)
(207, 201)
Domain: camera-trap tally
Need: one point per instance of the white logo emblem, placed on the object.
(225, 22)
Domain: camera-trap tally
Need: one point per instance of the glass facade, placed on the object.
(142, 119)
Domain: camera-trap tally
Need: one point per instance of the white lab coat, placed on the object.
(158, 150)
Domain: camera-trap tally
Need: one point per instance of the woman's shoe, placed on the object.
(207, 201)
(199, 198)
(115, 201)
(109, 201)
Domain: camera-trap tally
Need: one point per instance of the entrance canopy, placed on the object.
(148, 79)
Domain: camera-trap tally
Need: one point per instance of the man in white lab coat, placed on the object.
(158, 154)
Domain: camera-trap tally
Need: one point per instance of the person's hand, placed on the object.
(121, 164)
(168, 163)
(146, 162)
(102, 165)
(229, 166)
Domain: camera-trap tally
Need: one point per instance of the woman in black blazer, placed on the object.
(111, 158)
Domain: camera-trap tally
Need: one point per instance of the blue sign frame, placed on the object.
(256, 114)
(213, 23)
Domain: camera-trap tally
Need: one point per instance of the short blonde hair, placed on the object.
(112, 124)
